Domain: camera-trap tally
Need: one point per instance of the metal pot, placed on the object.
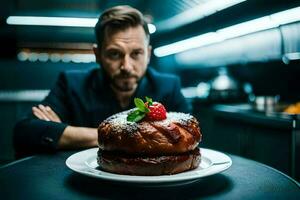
(266, 103)
(224, 87)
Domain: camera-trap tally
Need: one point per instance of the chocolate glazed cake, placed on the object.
(149, 147)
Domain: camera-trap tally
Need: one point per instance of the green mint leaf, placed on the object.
(147, 110)
(139, 117)
(135, 116)
(149, 100)
(140, 104)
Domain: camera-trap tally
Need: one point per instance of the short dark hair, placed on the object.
(119, 18)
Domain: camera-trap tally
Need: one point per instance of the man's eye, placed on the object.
(136, 54)
(113, 55)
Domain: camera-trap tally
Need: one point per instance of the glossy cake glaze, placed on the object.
(178, 133)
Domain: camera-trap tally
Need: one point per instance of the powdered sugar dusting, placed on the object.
(120, 124)
(178, 117)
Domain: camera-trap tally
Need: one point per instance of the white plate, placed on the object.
(212, 162)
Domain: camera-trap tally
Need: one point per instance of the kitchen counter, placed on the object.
(269, 137)
(246, 113)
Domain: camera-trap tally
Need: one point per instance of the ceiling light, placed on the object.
(260, 24)
(58, 21)
(51, 21)
(151, 28)
(198, 12)
(287, 16)
(247, 27)
(293, 56)
(190, 43)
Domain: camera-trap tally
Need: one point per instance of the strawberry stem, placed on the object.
(141, 111)
(149, 100)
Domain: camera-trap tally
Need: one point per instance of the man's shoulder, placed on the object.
(77, 76)
(78, 73)
(157, 76)
(162, 83)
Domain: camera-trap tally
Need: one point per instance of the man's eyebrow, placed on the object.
(138, 49)
(113, 49)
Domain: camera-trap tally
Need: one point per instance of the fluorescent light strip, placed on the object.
(196, 13)
(260, 24)
(293, 56)
(287, 16)
(247, 28)
(205, 39)
(58, 21)
(51, 21)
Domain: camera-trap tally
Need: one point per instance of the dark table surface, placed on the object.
(47, 177)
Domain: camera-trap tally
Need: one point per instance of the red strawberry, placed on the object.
(151, 110)
(157, 111)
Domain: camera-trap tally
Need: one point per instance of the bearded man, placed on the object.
(69, 116)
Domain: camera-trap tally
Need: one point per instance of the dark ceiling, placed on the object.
(159, 10)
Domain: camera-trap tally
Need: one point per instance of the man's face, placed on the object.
(124, 55)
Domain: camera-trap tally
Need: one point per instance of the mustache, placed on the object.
(125, 74)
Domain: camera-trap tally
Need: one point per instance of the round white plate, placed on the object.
(212, 162)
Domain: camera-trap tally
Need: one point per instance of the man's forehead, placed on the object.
(133, 35)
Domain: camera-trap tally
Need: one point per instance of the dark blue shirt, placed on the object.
(84, 98)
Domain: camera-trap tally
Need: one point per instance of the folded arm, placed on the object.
(47, 129)
(72, 137)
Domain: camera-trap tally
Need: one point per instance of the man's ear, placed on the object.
(97, 53)
(149, 53)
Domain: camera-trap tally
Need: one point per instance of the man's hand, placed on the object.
(45, 113)
(72, 137)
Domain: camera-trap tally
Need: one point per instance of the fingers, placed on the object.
(45, 113)
(39, 114)
(53, 116)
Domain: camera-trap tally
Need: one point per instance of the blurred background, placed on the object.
(238, 60)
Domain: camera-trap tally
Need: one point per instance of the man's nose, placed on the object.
(126, 64)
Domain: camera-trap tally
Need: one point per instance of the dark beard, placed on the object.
(124, 74)
(124, 88)
(126, 85)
